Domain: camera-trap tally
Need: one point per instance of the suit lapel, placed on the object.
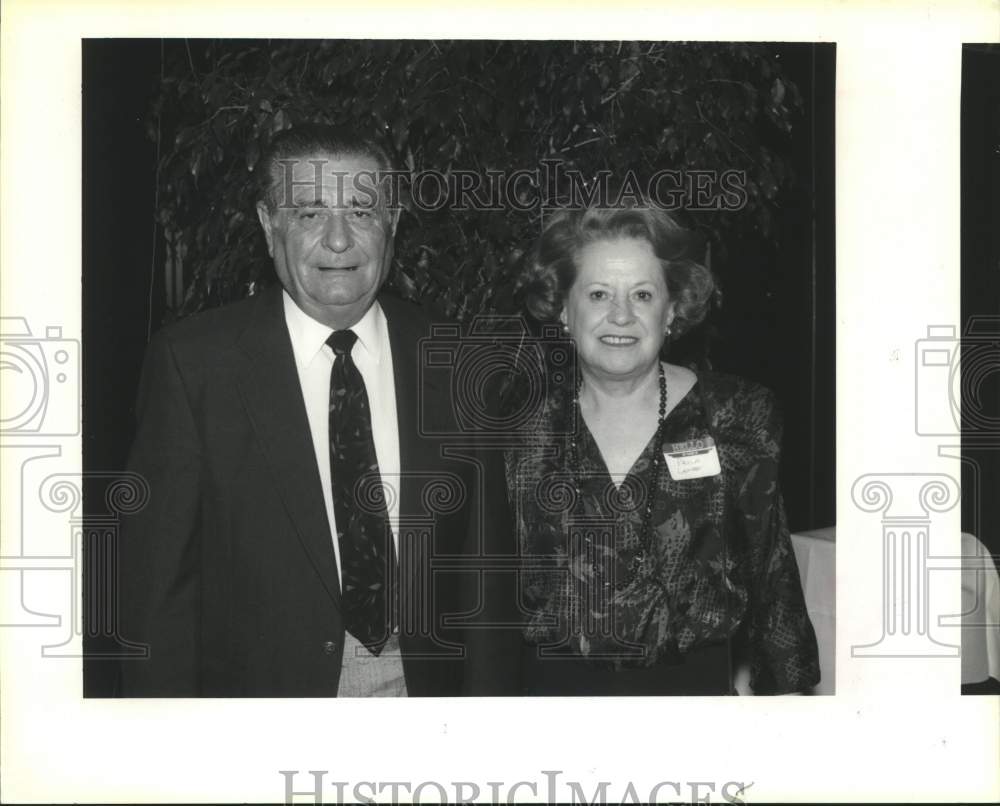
(403, 338)
(415, 392)
(418, 457)
(272, 394)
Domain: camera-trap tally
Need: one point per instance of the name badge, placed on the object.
(695, 459)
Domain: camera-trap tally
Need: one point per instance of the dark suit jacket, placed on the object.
(229, 573)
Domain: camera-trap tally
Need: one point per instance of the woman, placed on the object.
(655, 549)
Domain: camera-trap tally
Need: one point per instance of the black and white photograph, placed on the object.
(550, 402)
(587, 447)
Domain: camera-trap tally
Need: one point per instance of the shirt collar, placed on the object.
(309, 336)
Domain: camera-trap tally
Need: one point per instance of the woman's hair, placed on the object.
(551, 266)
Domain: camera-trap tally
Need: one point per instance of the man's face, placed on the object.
(329, 236)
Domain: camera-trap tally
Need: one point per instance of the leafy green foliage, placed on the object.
(480, 105)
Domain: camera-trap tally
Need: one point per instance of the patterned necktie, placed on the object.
(369, 589)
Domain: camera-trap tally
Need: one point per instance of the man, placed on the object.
(293, 539)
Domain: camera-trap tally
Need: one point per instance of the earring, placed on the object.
(668, 331)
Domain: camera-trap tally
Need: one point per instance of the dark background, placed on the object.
(980, 279)
(981, 291)
(776, 325)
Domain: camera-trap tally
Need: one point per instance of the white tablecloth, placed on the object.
(980, 615)
(816, 557)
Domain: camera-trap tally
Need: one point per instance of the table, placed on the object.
(980, 615)
(816, 555)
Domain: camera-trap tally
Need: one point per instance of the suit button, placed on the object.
(329, 647)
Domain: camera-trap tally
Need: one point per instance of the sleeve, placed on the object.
(158, 549)
(783, 653)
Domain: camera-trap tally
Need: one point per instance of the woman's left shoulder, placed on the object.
(741, 408)
(736, 391)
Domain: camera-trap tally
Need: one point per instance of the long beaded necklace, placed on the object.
(573, 459)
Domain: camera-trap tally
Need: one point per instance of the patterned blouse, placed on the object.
(718, 565)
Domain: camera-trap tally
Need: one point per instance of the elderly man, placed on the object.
(298, 508)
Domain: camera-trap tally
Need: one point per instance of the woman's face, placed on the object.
(618, 310)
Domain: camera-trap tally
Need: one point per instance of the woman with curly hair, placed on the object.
(656, 556)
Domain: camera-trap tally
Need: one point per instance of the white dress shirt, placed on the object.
(373, 357)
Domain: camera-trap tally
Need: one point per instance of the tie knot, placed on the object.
(341, 341)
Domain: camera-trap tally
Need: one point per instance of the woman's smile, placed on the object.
(618, 341)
